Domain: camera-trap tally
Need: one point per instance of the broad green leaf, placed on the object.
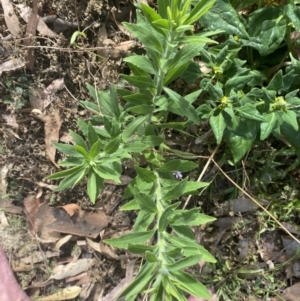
(114, 101)
(185, 54)
(139, 249)
(151, 140)
(107, 172)
(71, 180)
(185, 107)
(142, 109)
(145, 174)
(190, 285)
(218, 126)
(290, 117)
(293, 12)
(94, 186)
(66, 173)
(267, 126)
(237, 83)
(175, 192)
(140, 282)
(123, 241)
(184, 263)
(138, 99)
(141, 82)
(131, 205)
(67, 149)
(164, 219)
(113, 145)
(95, 149)
(143, 221)
(174, 73)
(83, 152)
(92, 135)
(133, 127)
(145, 202)
(238, 146)
(266, 34)
(183, 232)
(249, 111)
(151, 257)
(199, 10)
(190, 218)
(276, 82)
(186, 243)
(142, 62)
(222, 16)
(78, 140)
(145, 36)
(192, 186)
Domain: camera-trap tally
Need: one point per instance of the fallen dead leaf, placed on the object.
(102, 248)
(10, 118)
(41, 99)
(71, 269)
(52, 126)
(38, 256)
(11, 19)
(64, 294)
(12, 64)
(292, 293)
(3, 219)
(62, 241)
(71, 209)
(25, 12)
(87, 224)
(31, 205)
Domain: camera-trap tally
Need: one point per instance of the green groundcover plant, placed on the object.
(246, 101)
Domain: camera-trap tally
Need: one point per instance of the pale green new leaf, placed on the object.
(190, 218)
(184, 263)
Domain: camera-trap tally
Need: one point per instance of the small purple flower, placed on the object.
(177, 175)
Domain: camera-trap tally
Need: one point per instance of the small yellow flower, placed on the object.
(224, 100)
(236, 38)
(218, 70)
(279, 104)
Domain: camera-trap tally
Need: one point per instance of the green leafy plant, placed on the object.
(116, 133)
(16, 90)
(244, 99)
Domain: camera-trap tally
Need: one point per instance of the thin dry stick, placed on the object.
(256, 202)
(202, 173)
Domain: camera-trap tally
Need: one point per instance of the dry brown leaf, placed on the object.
(31, 32)
(3, 183)
(52, 127)
(87, 224)
(11, 19)
(292, 293)
(3, 219)
(39, 256)
(65, 294)
(8, 207)
(41, 99)
(71, 269)
(31, 205)
(62, 241)
(102, 248)
(25, 12)
(72, 209)
(11, 65)
(10, 118)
